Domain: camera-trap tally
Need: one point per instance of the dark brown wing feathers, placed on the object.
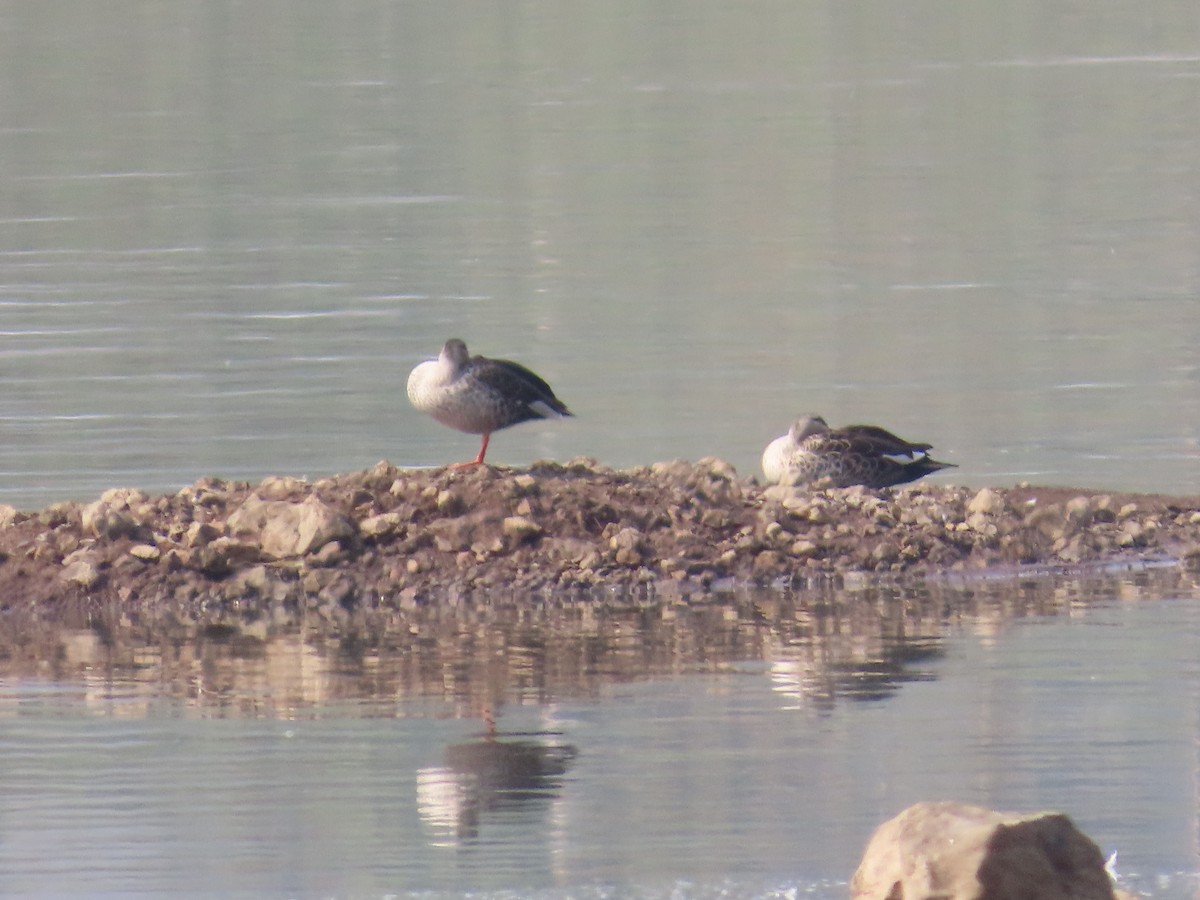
(516, 383)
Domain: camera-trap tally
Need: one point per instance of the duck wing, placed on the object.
(873, 439)
(850, 459)
(516, 386)
(887, 472)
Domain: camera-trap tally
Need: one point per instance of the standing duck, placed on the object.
(813, 452)
(480, 395)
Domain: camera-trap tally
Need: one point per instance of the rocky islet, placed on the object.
(391, 536)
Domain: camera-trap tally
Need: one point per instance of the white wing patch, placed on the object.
(544, 410)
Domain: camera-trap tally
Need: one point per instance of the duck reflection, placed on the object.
(873, 675)
(500, 776)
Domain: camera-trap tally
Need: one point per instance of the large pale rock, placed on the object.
(249, 519)
(950, 851)
(303, 527)
(284, 529)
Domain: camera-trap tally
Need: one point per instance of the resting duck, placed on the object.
(813, 452)
(480, 395)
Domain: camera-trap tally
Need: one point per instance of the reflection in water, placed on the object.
(498, 776)
(820, 646)
(867, 679)
(315, 752)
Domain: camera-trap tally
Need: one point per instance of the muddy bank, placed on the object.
(391, 537)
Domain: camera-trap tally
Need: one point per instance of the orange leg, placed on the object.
(477, 461)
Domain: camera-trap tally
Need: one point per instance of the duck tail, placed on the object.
(926, 465)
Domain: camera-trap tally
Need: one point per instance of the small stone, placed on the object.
(782, 493)
(205, 492)
(1131, 534)
(200, 533)
(628, 544)
(126, 497)
(626, 538)
(381, 475)
(817, 512)
(281, 487)
(340, 591)
(83, 572)
(145, 552)
(1050, 520)
(673, 469)
(855, 495)
(525, 484)
(521, 528)
(716, 468)
(1079, 511)
(1070, 549)
(628, 556)
(885, 516)
(884, 554)
(452, 535)
(210, 561)
(987, 502)
(450, 503)
(110, 517)
(382, 525)
(256, 578)
(239, 552)
(981, 523)
(328, 555)
(59, 514)
(804, 549)
(445, 544)
(768, 562)
(9, 515)
(315, 579)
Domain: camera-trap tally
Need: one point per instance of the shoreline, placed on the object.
(392, 537)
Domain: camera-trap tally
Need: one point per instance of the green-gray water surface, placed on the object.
(228, 232)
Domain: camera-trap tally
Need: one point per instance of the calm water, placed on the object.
(228, 231)
(742, 748)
